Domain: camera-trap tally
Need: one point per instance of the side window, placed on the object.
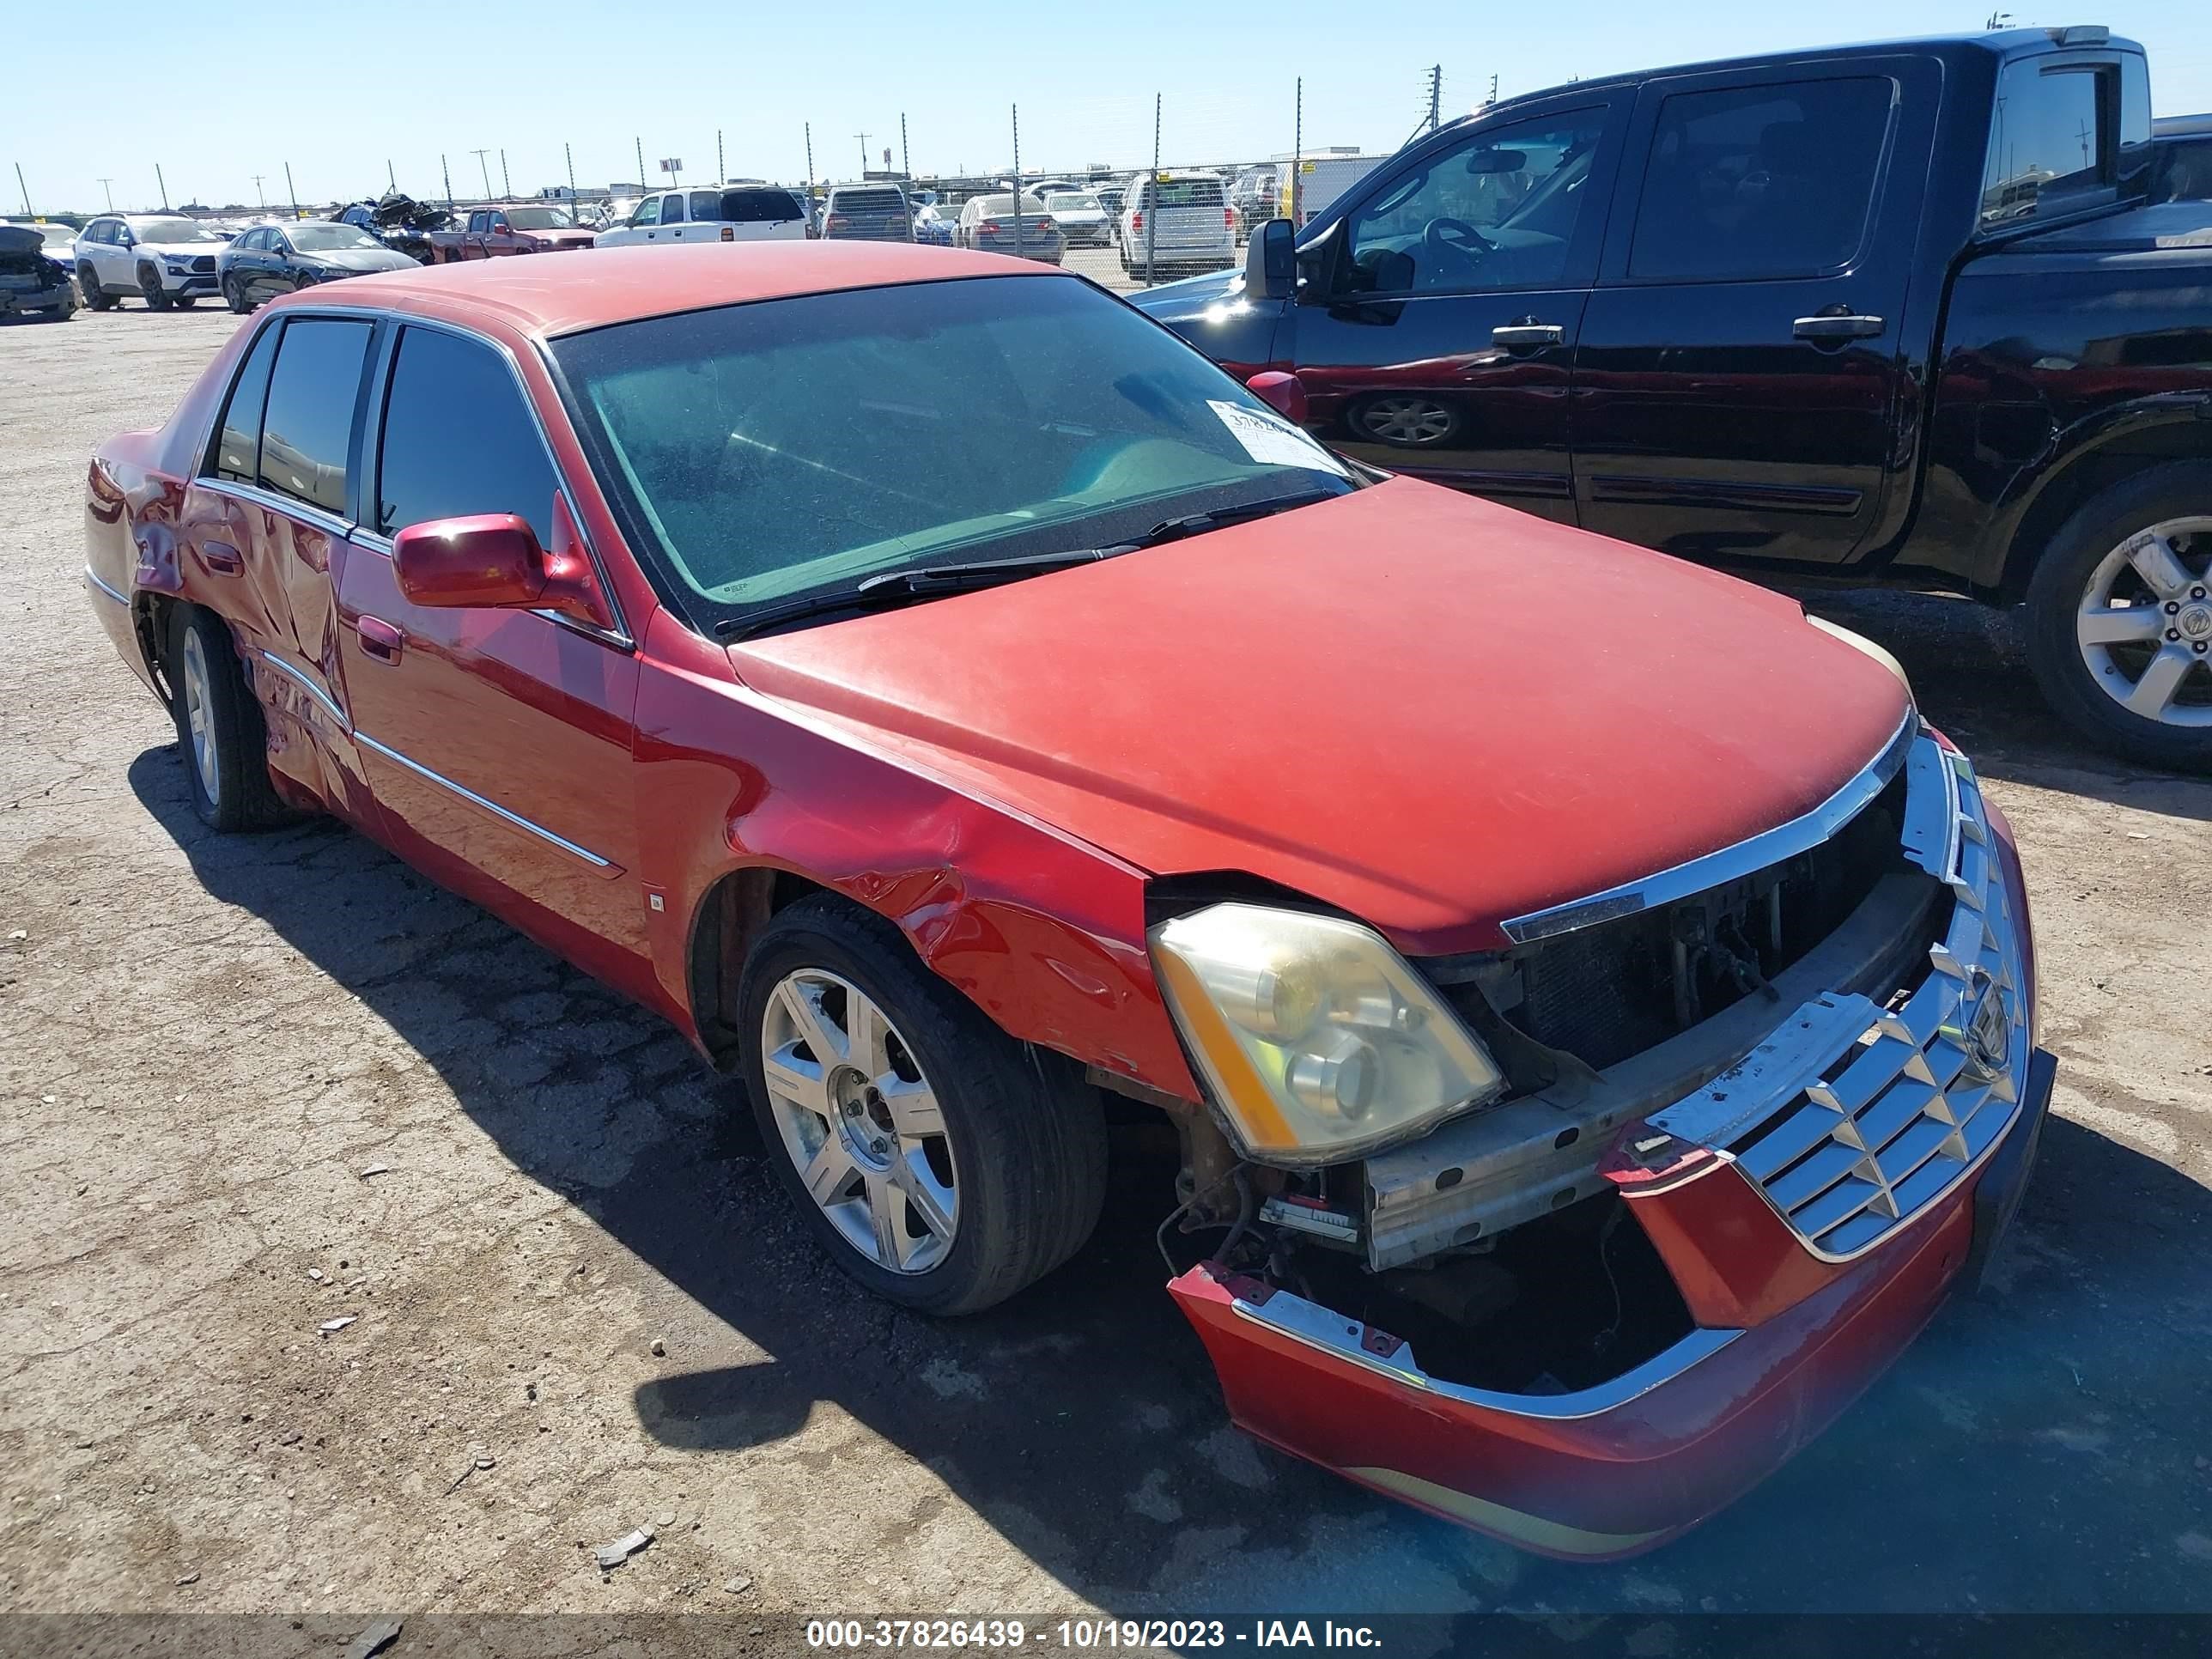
(705, 205)
(1499, 211)
(457, 438)
(309, 425)
(479, 222)
(648, 214)
(238, 440)
(2052, 141)
(1761, 181)
(672, 208)
(496, 221)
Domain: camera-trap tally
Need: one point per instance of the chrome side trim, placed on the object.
(1332, 1333)
(321, 518)
(309, 687)
(92, 577)
(1770, 846)
(490, 806)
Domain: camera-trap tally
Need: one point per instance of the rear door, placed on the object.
(264, 529)
(1186, 218)
(498, 741)
(1743, 365)
(1436, 331)
(757, 214)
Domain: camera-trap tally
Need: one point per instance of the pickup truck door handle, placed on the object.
(1839, 327)
(1528, 333)
(221, 558)
(380, 639)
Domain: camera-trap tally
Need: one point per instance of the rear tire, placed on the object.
(96, 298)
(220, 733)
(2119, 618)
(1010, 1150)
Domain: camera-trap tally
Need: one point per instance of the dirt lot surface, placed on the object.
(580, 1307)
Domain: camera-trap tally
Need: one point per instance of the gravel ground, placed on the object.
(580, 1307)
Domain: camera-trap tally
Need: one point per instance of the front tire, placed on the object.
(233, 294)
(942, 1164)
(149, 286)
(219, 733)
(2119, 618)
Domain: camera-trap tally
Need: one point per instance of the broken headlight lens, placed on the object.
(1316, 1039)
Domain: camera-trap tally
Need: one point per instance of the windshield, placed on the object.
(329, 239)
(172, 230)
(800, 445)
(538, 218)
(1072, 202)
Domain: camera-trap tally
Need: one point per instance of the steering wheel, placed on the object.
(1457, 238)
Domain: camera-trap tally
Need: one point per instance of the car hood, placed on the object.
(1434, 713)
(180, 250)
(361, 258)
(20, 239)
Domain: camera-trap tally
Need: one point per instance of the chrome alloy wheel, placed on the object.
(2144, 624)
(859, 1122)
(1405, 420)
(199, 717)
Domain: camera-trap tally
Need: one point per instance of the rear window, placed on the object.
(1186, 193)
(868, 201)
(759, 207)
(2052, 142)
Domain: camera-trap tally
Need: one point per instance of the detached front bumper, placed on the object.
(1813, 1205)
(60, 297)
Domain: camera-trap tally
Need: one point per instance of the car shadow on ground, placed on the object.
(2041, 1448)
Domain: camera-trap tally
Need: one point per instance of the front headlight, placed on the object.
(1314, 1037)
(179, 267)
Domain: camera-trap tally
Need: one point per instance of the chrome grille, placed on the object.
(1881, 1109)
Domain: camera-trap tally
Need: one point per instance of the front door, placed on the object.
(1743, 356)
(1437, 331)
(497, 742)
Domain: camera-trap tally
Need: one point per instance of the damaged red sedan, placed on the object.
(1599, 1014)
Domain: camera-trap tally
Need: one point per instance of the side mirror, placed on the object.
(1270, 262)
(1284, 394)
(492, 561)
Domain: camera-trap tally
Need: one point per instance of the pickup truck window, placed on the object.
(2052, 140)
(672, 208)
(1496, 212)
(1761, 181)
(648, 214)
(479, 223)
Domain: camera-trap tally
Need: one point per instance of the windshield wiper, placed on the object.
(1194, 524)
(896, 586)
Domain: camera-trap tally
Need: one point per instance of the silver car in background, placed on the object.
(987, 224)
(1082, 217)
(868, 213)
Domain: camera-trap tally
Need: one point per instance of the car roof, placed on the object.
(550, 297)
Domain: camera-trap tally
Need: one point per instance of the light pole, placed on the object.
(291, 191)
(505, 183)
(258, 195)
(486, 168)
(863, 138)
(164, 183)
(110, 194)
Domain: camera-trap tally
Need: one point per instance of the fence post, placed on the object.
(809, 173)
(721, 166)
(1151, 196)
(570, 156)
(643, 183)
(1297, 149)
(446, 174)
(1017, 109)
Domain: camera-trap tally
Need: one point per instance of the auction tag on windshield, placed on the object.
(1271, 440)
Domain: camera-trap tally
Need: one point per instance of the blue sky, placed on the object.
(336, 92)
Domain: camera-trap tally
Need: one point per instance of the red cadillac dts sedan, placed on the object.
(1600, 1016)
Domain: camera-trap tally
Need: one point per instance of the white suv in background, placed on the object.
(719, 213)
(1179, 221)
(164, 259)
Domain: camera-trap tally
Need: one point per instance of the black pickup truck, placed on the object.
(1922, 312)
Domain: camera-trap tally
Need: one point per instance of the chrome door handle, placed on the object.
(1527, 333)
(1839, 327)
(379, 640)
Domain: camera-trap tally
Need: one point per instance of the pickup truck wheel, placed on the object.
(150, 285)
(2119, 614)
(942, 1164)
(219, 733)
